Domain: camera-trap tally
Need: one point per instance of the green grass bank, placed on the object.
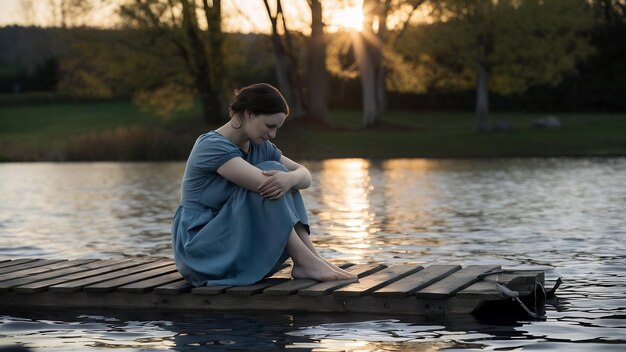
(118, 130)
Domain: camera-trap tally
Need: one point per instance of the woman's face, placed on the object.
(261, 128)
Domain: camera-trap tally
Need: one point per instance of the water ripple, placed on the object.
(564, 216)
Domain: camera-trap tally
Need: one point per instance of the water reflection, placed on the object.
(101, 210)
(345, 209)
(409, 217)
(239, 331)
(236, 331)
(563, 214)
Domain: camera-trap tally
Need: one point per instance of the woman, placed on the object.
(241, 214)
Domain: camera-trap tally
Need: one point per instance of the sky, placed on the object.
(8, 10)
(239, 15)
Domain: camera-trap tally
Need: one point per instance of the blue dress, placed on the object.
(224, 234)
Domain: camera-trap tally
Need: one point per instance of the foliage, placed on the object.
(527, 43)
(200, 49)
(544, 55)
(165, 100)
(340, 59)
(124, 63)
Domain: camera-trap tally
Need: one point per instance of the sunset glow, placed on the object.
(348, 18)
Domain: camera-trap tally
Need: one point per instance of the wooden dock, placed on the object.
(433, 290)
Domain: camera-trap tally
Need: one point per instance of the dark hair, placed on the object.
(259, 99)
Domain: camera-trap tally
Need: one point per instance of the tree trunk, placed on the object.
(318, 75)
(216, 53)
(482, 97)
(379, 65)
(286, 68)
(370, 104)
(211, 109)
(369, 59)
(482, 84)
(283, 69)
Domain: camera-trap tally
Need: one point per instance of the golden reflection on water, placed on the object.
(420, 165)
(410, 193)
(358, 198)
(344, 186)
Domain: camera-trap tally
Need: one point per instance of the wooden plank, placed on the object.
(210, 290)
(148, 285)
(289, 287)
(96, 268)
(454, 283)
(417, 281)
(256, 288)
(113, 284)
(8, 263)
(463, 302)
(76, 285)
(39, 272)
(325, 288)
(521, 281)
(175, 288)
(202, 303)
(294, 285)
(284, 273)
(87, 301)
(486, 290)
(27, 266)
(377, 280)
(513, 275)
(60, 269)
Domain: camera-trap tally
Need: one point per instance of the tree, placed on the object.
(599, 83)
(503, 46)
(314, 104)
(318, 83)
(287, 72)
(201, 50)
(368, 51)
(374, 49)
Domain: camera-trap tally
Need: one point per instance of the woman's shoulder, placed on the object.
(216, 140)
(209, 136)
(211, 150)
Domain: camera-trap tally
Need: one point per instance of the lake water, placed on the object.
(566, 216)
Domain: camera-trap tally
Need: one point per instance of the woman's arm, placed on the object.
(271, 184)
(301, 175)
(280, 182)
(242, 173)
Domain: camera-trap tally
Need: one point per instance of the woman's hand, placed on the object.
(276, 185)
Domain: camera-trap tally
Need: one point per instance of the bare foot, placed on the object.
(334, 267)
(340, 270)
(318, 271)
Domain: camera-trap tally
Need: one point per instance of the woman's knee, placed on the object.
(271, 165)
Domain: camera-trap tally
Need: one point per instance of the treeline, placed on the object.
(105, 64)
(76, 61)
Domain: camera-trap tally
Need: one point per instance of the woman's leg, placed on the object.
(307, 265)
(304, 236)
(307, 261)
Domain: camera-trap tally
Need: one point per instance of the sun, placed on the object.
(350, 18)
